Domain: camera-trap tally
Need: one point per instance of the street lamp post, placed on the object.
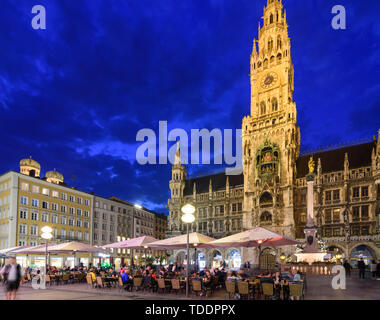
(47, 235)
(187, 218)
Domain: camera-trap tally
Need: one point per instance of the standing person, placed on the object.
(378, 270)
(373, 268)
(361, 267)
(12, 274)
(348, 268)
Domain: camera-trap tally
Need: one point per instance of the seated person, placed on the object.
(127, 281)
(266, 278)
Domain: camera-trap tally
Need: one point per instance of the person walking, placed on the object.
(348, 268)
(373, 268)
(361, 267)
(13, 275)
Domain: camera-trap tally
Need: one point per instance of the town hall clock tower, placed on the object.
(271, 137)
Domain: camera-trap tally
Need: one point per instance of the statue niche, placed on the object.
(267, 160)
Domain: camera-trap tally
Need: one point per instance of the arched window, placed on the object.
(279, 57)
(274, 105)
(266, 63)
(266, 217)
(270, 44)
(271, 18)
(271, 59)
(259, 64)
(262, 108)
(279, 43)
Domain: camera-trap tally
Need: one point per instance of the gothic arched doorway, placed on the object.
(268, 259)
(362, 251)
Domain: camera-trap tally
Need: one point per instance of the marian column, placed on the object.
(310, 228)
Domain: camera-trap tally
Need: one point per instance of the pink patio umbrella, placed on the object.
(12, 250)
(135, 243)
(140, 243)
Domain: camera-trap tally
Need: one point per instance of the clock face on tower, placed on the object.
(269, 80)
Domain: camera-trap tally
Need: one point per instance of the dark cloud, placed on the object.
(74, 96)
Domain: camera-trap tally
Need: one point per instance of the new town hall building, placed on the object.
(271, 192)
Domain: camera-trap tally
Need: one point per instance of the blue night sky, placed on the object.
(73, 96)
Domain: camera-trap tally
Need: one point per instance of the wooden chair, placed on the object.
(100, 282)
(176, 286)
(296, 290)
(162, 285)
(268, 290)
(196, 286)
(66, 278)
(137, 283)
(244, 290)
(47, 280)
(230, 288)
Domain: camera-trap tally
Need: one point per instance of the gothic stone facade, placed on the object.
(271, 192)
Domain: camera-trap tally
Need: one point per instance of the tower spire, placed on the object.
(177, 159)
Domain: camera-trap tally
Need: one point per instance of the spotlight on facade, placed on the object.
(138, 206)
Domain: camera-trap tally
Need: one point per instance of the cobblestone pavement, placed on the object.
(318, 288)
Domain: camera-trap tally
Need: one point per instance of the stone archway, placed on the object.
(216, 258)
(234, 258)
(365, 251)
(180, 257)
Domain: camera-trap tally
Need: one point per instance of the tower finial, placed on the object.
(177, 159)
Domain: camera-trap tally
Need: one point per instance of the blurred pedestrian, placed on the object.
(13, 275)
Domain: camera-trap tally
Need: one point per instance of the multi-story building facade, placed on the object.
(160, 229)
(271, 192)
(29, 202)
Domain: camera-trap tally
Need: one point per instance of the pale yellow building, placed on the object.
(29, 202)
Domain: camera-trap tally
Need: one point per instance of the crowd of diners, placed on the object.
(211, 279)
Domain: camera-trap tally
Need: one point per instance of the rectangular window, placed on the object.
(86, 213)
(45, 205)
(365, 230)
(240, 206)
(54, 194)
(35, 189)
(22, 229)
(364, 212)
(63, 234)
(79, 200)
(33, 230)
(63, 220)
(328, 195)
(71, 198)
(35, 203)
(63, 208)
(54, 207)
(24, 200)
(54, 218)
(365, 191)
(72, 210)
(34, 216)
(336, 195)
(355, 192)
(23, 214)
(328, 217)
(79, 223)
(355, 213)
(24, 186)
(79, 235)
(64, 196)
(45, 217)
(336, 232)
(336, 215)
(71, 222)
(87, 202)
(45, 191)
(79, 212)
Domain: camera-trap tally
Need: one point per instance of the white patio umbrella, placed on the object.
(257, 237)
(140, 243)
(196, 240)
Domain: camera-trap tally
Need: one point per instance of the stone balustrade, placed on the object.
(316, 269)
